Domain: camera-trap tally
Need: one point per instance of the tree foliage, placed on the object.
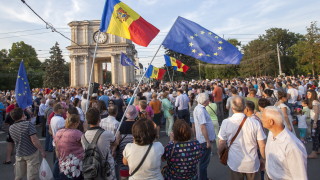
(55, 69)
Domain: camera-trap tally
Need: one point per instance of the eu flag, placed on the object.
(125, 61)
(191, 39)
(22, 91)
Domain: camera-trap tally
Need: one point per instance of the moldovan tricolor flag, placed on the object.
(119, 19)
(181, 67)
(155, 73)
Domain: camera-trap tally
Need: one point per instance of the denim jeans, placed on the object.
(48, 143)
(204, 162)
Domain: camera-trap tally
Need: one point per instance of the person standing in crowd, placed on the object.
(204, 132)
(49, 139)
(144, 134)
(36, 105)
(168, 112)
(212, 110)
(110, 123)
(268, 94)
(192, 105)
(217, 95)
(286, 156)
(181, 146)
(118, 101)
(84, 102)
(105, 98)
(42, 120)
(314, 105)
(155, 104)
(182, 104)
(27, 144)
(252, 97)
(234, 93)
(243, 158)
(2, 111)
(292, 94)
(69, 150)
(126, 137)
(104, 141)
(282, 96)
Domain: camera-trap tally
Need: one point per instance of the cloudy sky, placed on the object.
(240, 19)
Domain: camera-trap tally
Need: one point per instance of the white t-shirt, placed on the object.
(293, 95)
(243, 156)
(57, 122)
(150, 168)
(302, 121)
(286, 157)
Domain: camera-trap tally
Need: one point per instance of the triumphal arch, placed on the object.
(85, 33)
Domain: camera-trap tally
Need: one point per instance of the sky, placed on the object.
(244, 20)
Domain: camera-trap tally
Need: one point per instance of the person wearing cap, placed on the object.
(126, 137)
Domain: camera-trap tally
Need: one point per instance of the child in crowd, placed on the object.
(306, 111)
(302, 124)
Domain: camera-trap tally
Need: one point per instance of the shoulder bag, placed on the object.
(224, 153)
(141, 162)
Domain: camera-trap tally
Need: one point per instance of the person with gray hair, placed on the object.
(286, 156)
(243, 160)
(204, 132)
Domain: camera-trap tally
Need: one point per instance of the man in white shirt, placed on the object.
(84, 103)
(243, 158)
(204, 132)
(286, 156)
(292, 94)
(234, 93)
(182, 104)
(110, 123)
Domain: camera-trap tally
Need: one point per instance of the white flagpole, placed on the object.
(92, 68)
(135, 91)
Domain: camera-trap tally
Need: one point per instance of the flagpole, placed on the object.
(92, 68)
(135, 91)
(169, 73)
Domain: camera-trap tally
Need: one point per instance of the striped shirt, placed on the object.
(20, 132)
(109, 124)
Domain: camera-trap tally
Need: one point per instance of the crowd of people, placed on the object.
(263, 123)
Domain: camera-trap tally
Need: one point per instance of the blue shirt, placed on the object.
(182, 102)
(1, 106)
(201, 116)
(105, 99)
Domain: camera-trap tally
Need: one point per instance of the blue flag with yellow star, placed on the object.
(22, 91)
(191, 39)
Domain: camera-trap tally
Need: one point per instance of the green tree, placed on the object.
(10, 61)
(307, 51)
(55, 69)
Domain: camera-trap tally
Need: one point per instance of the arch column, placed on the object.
(114, 67)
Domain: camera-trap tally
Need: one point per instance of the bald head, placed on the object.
(238, 104)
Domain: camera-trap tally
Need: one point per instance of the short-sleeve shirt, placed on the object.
(202, 117)
(217, 91)
(57, 122)
(156, 106)
(150, 168)
(182, 159)
(312, 114)
(20, 132)
(243, 156)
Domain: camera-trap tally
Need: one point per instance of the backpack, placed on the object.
(93, 166)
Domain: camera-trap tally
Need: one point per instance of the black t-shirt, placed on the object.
(119, 104)
(126, 127)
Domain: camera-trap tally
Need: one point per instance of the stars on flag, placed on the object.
(191, 37)
(19, 94)
(195, 34)
(200, 54)
(219, 48)
(22, 79)
(208, 55)
(216, 37)
(190, 44)
(210, 33)
(216, 54)
(194, 50)
(220, 42)
(25, 83)
(202, 32)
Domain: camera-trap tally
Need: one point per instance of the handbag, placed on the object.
(166, 166)
(141, 162)
(224, 153)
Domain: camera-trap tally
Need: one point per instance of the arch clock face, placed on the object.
(102, 37)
